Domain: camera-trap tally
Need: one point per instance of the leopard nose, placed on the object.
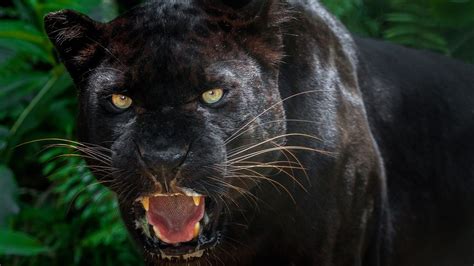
(163, 161)
(169, 159)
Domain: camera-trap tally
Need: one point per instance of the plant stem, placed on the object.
(19, 122)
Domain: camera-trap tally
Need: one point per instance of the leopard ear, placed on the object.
(76, 38)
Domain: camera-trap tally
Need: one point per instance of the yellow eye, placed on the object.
(212, 96)
(121, 101)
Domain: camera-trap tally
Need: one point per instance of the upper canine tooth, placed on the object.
(146, 203)
(197, 200)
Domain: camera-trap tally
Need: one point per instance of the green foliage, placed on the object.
(52, 211)
(18, 243)
(445, 26)
(8, 205)
(84, 215)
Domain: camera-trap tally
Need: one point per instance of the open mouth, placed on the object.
(175, 218)
(179, 225)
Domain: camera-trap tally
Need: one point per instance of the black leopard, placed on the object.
(261, 132)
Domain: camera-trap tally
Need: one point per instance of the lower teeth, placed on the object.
(197, 229)
(158, 234)
(196, 232)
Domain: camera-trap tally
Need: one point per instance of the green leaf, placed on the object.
(37, 111)
(18, 89)
(3, 138)
(8, 205)
(25, 11)
(14, 29)
(19, 243)
(32, 51)
(5, 54)
(12, 83)
(8, 12)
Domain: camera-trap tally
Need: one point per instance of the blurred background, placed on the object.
(52, 211)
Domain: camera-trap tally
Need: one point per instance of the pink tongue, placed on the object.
(175, 217)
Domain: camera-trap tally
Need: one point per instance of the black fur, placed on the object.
(383, 132)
